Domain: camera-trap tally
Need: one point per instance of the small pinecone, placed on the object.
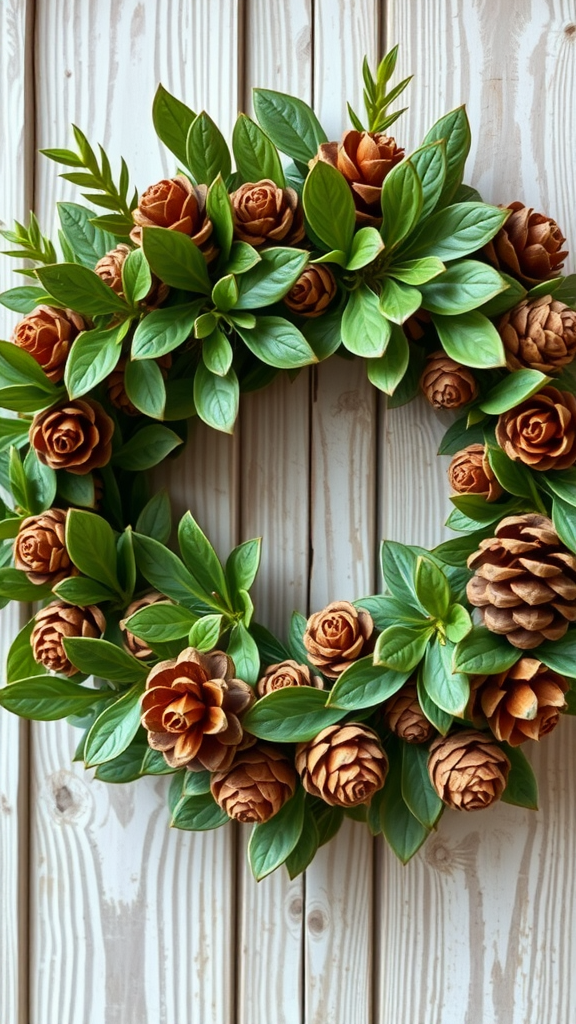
(344, 765)
(468, 770)
(40, 548)
(286, 673)
(337, 636)
(132, 643)
(528, 246)
(471, 473)
(53, 624)
(256, 785)
(446, 384)
(117, 391)
(539, 334)
(524, 581)
(541, 431)
(404, 716)
(521, 704)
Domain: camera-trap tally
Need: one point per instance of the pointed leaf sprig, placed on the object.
(376, 99)
(30, 244)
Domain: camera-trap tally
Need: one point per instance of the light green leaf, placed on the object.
(277, 342)
(216, 398)
(365, 330)
(470, 339)
(387, 372)
(114, 730)
(329, 206)
(402, 200)
(464, 285)
(398, 301)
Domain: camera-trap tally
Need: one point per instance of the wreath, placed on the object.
(169, 305)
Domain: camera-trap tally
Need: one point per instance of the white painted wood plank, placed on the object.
(131, 921)
(477, 927)
(16, 118)
(274, 487)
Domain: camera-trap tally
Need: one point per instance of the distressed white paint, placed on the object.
(129, 921)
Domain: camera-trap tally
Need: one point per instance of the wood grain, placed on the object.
(16, 118)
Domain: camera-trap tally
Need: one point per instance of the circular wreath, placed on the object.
(169, 305)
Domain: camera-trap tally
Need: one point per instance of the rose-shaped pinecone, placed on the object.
(336, 636)
(539, 334)
(132, 643)
(53, 624)
(446, 384)
(256, 785)
(468, 770)
(47, 334)
(404, 716)
(344, 765)
(75, 435)
(471, 473)
(523, 703)
(109, 268)
(312, 292)
(528, 246)
(40, 547)
(364, 158)
(177, 204)
(541, 431)
(286, 673)
(524, 581)
(191, 710)
(117, 389)
(265, 214)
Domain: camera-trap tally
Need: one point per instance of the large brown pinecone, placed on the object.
(336, 636)
(521, 704)
(53, 624)
(404, 716)
(364, 158)
(539, 334)
(468, 769)
(524, 581)
(447, 384)
(344, 765)
(528, 246)
(191, 710)
(541, 431)
(256, 785)
(40, 547)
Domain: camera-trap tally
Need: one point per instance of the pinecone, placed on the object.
(524, 582)
(468, 769)
(404, 716)
(521, 704)
(287, 673)
(528, 246)
(132, 643)
(344, 765)
(257, 784)
(540, 334)
(446, 384)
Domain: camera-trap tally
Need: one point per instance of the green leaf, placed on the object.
(15, 585)
(104, 659)
(244, 652)
(207, 154)
(455, 130)
(294, 714)
(290, 123)
(163, 330)
(93, 356)
(47, 698)
(242, 258)
(88, 243)
(482, 652)
(19, 368)
(399, 568)
(91, 544)
(201, 559)
(456, 231)
(136, 277)
(217, 353)
(126, 767)
(560, 483)
(160, 622)
(463, 286)
(387, 372)
(432, 588)
(456, 552)
(470, 339)
(515, 388)
(402, 647)
(364, 685)
(398, 301)
(155, 519)
(416, 272)
(224, 297)
(514, 477)
(365, 330)
(145, 387)
(40, 483)
(25, 398)
(418, 792)
(402, 830)
(216, 398)
(271, 278)
(219, 211)
(458, 623)
(366, 245)
(168, 574)
(277, 342)
(329, 206)
(478, 510)
(172, 120)
(81, 591)
(176, 260)
(449, 690)
(439, 719)
(80, 289)
(146, 448)
(23, 299)
(20, 663)
(205, 632)
(274, 840)
(402, 200)
(198, 814)
(559, 655)
(388, 611)
(114, 730)
(242, 565)
(429, 162)
(521, 788)
(564, 519)
(153, 763)
(255, 155)
(305, 850)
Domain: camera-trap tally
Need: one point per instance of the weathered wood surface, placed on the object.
(128, 921)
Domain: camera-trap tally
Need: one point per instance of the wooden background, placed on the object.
(106, 916)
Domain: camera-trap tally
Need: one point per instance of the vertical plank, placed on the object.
(477, 927)
(274, 487)
(17, 119)
(131, 922)
(339, 882)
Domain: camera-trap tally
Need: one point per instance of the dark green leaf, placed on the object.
(440, 720)
(147, 448)
(114, 729)
(15, 585)
(219, 211)
(166, 573)
(402, 200)
(294, 714)
(450, 690)
(81, 591)
(482, 652)
(271, 650)
(93, 356)
(418, 792)
(402, 830)
(23, 299)
(91, 544)
(172, 120)
(160, 622)
(271, 278)
(521, 788)
(329, 206)
(126, 767)
(87, 242)
(242, 565)
(273, 841)
(515, 388)
(455, 130)
(20, 663)
(104, 659)
(198, 814)
(163, 330)
(364, 685)
(201, 559)
(145, 387)
(176, 260)
(207, 154)
(564, 519)
(255, 155)
(290, 123)
(17, 367)
(559, 655)
(305, 850)
(155, 519)
(47, 698)
(80, 289)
